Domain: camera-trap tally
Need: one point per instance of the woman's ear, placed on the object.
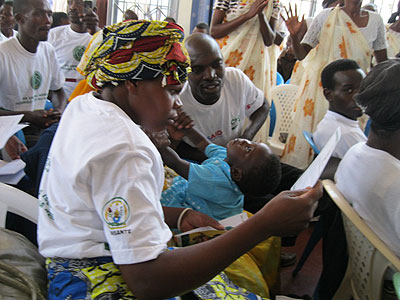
(236, 174)
(19, 18)
(131, 86)
(328, 94)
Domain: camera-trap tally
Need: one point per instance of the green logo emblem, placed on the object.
(36, 80)
(116, 213)
(78, 52)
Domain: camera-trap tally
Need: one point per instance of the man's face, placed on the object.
(36, 22)
(154, 105)
(6, 16)
(347, 84)
(76, 8)
(206, 78)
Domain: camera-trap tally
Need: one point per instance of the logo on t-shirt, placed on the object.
(78, 52)
(235, 123)
(116, 213)
(36, 80)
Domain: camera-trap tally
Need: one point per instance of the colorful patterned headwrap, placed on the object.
(138, 50)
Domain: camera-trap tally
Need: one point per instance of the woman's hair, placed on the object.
(379, 97)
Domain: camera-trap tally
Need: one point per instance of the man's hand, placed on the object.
(193, 219)
(256, 8)
(42, 118)
(291, 211)
(15, 147)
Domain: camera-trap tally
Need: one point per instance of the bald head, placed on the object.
(130, 15)
(206, 78)
(201, 44)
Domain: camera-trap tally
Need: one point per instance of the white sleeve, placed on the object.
(380, 41)
(127, 200)
(253, 97)
(312, 35)
(57, 77)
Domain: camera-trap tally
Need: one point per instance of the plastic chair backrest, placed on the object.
(367, 128)
(283, 97)
(272, 116)
(369, 257)
(279, 79)
(396, 284)
(309, 138)
(17, 202)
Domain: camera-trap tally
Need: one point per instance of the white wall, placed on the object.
(184, 14)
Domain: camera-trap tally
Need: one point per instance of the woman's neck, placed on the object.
(389, 144)
(353, 9)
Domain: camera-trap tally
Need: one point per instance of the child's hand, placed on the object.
(159, 138)
(184, 122)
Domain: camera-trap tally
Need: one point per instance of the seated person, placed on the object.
(217, 186)
(341, 80)
(101, 225)
(368, 174)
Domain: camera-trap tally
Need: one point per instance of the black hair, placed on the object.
(326, 3)
(58, 17)
(170, 20)
(379, 97)
(21, 6)
(337, 66)
(203, 26)
(263, 178)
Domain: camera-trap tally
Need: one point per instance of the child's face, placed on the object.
(245, 154)
(347, 84)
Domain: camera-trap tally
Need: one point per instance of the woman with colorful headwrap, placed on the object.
(101, 225)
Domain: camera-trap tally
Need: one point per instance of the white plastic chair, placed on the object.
(369, 257)
(18, 202)
(284, 97)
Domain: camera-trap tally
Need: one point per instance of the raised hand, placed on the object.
(292, 20)
(256, 8)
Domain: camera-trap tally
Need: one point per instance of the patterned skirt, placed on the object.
(100, 279)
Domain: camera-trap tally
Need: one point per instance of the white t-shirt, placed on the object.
(101, 188)
(4, 38)
(25, 77)
(224, 120)
(369, 179)
(351, 133)
(69, 46)
(374, 32)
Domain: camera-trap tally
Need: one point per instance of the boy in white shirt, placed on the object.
(341, 80)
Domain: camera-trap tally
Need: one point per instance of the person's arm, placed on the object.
(256, 120)
(172, 160)
(296, 30)
(40, 118)
(287, 213)
(190, 220)
(219, 28)
(267, 29)
(59, 99)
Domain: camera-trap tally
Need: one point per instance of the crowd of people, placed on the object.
(114, 112)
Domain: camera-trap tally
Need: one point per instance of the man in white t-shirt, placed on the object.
(29, 68)
(219, 99)
(70, 42)
(368, 176)
(341, 80)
